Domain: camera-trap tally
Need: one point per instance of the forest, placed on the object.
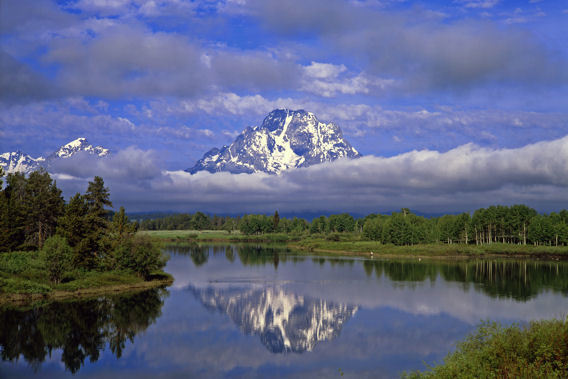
(516, 224)
(41, 234)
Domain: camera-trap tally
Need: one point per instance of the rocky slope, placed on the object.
(18, 161)
(286, 139)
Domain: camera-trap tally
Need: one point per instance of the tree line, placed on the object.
(516, 224)
(79, 235)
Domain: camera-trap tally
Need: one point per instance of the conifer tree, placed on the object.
(73, 225)
(43, 206)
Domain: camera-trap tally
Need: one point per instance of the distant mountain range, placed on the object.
(18, 161)
(286, 139)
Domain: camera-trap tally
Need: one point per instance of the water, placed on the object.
(247, 311)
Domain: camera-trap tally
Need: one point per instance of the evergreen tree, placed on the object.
(90, 249)
(44, 205)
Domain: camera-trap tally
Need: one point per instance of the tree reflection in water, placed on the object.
(81, 329)
(521, 280)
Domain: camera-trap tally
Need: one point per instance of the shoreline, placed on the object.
(26, 299)
(425, 255)
(360, 248)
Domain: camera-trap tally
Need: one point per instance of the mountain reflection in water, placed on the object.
(258, 311)
(81, 329)
(285, 322)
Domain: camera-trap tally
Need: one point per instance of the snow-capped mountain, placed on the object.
(285, 322)
(20, 162)
(286, 139)
(73, 147)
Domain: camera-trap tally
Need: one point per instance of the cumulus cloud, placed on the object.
(328, 80)
(461, 179)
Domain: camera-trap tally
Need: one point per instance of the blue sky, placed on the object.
(170, 79)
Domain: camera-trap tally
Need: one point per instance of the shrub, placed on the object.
(140, 255)
(58, 255)
(539, 350)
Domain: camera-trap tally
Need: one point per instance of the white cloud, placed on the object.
(461, 179)
(328, 80)
(318, 70)
(483, 4)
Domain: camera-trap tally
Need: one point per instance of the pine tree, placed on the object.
(43, 206)
(91, 246)
(73, 225)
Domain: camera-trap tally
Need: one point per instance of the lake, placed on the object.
(254, 311)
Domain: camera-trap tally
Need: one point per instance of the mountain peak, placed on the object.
(20, 162)
(77, 145)
(286, 139)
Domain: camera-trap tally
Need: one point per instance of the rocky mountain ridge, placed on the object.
(286, 139)
(18, 161)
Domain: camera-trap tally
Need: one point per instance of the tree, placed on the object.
(44, 205)
(372, 229)
(58, 256)
(200, 221)
(541, 230)
(140, 255)
(29, 208)
(121, 226)
(97, 197)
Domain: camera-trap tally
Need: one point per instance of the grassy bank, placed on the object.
(24, 278)
(215, 236)
(539, 350)
(428, 250)
(351, 244)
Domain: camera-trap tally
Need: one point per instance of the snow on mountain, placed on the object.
(20, 162)
(80, 144)
(285, 322)
(286, 139)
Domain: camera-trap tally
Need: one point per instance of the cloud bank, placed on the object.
(461, 179)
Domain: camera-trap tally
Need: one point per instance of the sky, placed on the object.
(455, 105)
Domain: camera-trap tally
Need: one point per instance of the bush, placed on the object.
(58, 256)
(140, 255)
(539, 350)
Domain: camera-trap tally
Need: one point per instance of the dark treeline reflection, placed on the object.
(247, 254)
(81, 329)
(520, 280)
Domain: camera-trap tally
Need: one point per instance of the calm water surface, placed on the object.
(248, 311)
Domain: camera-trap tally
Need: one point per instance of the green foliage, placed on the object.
(256, 224)
(140, 255)
(18, 262)
(341, 223)
(58, 256)
(19, 285)
(29, 208)
(373, 229)
(539, 350)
